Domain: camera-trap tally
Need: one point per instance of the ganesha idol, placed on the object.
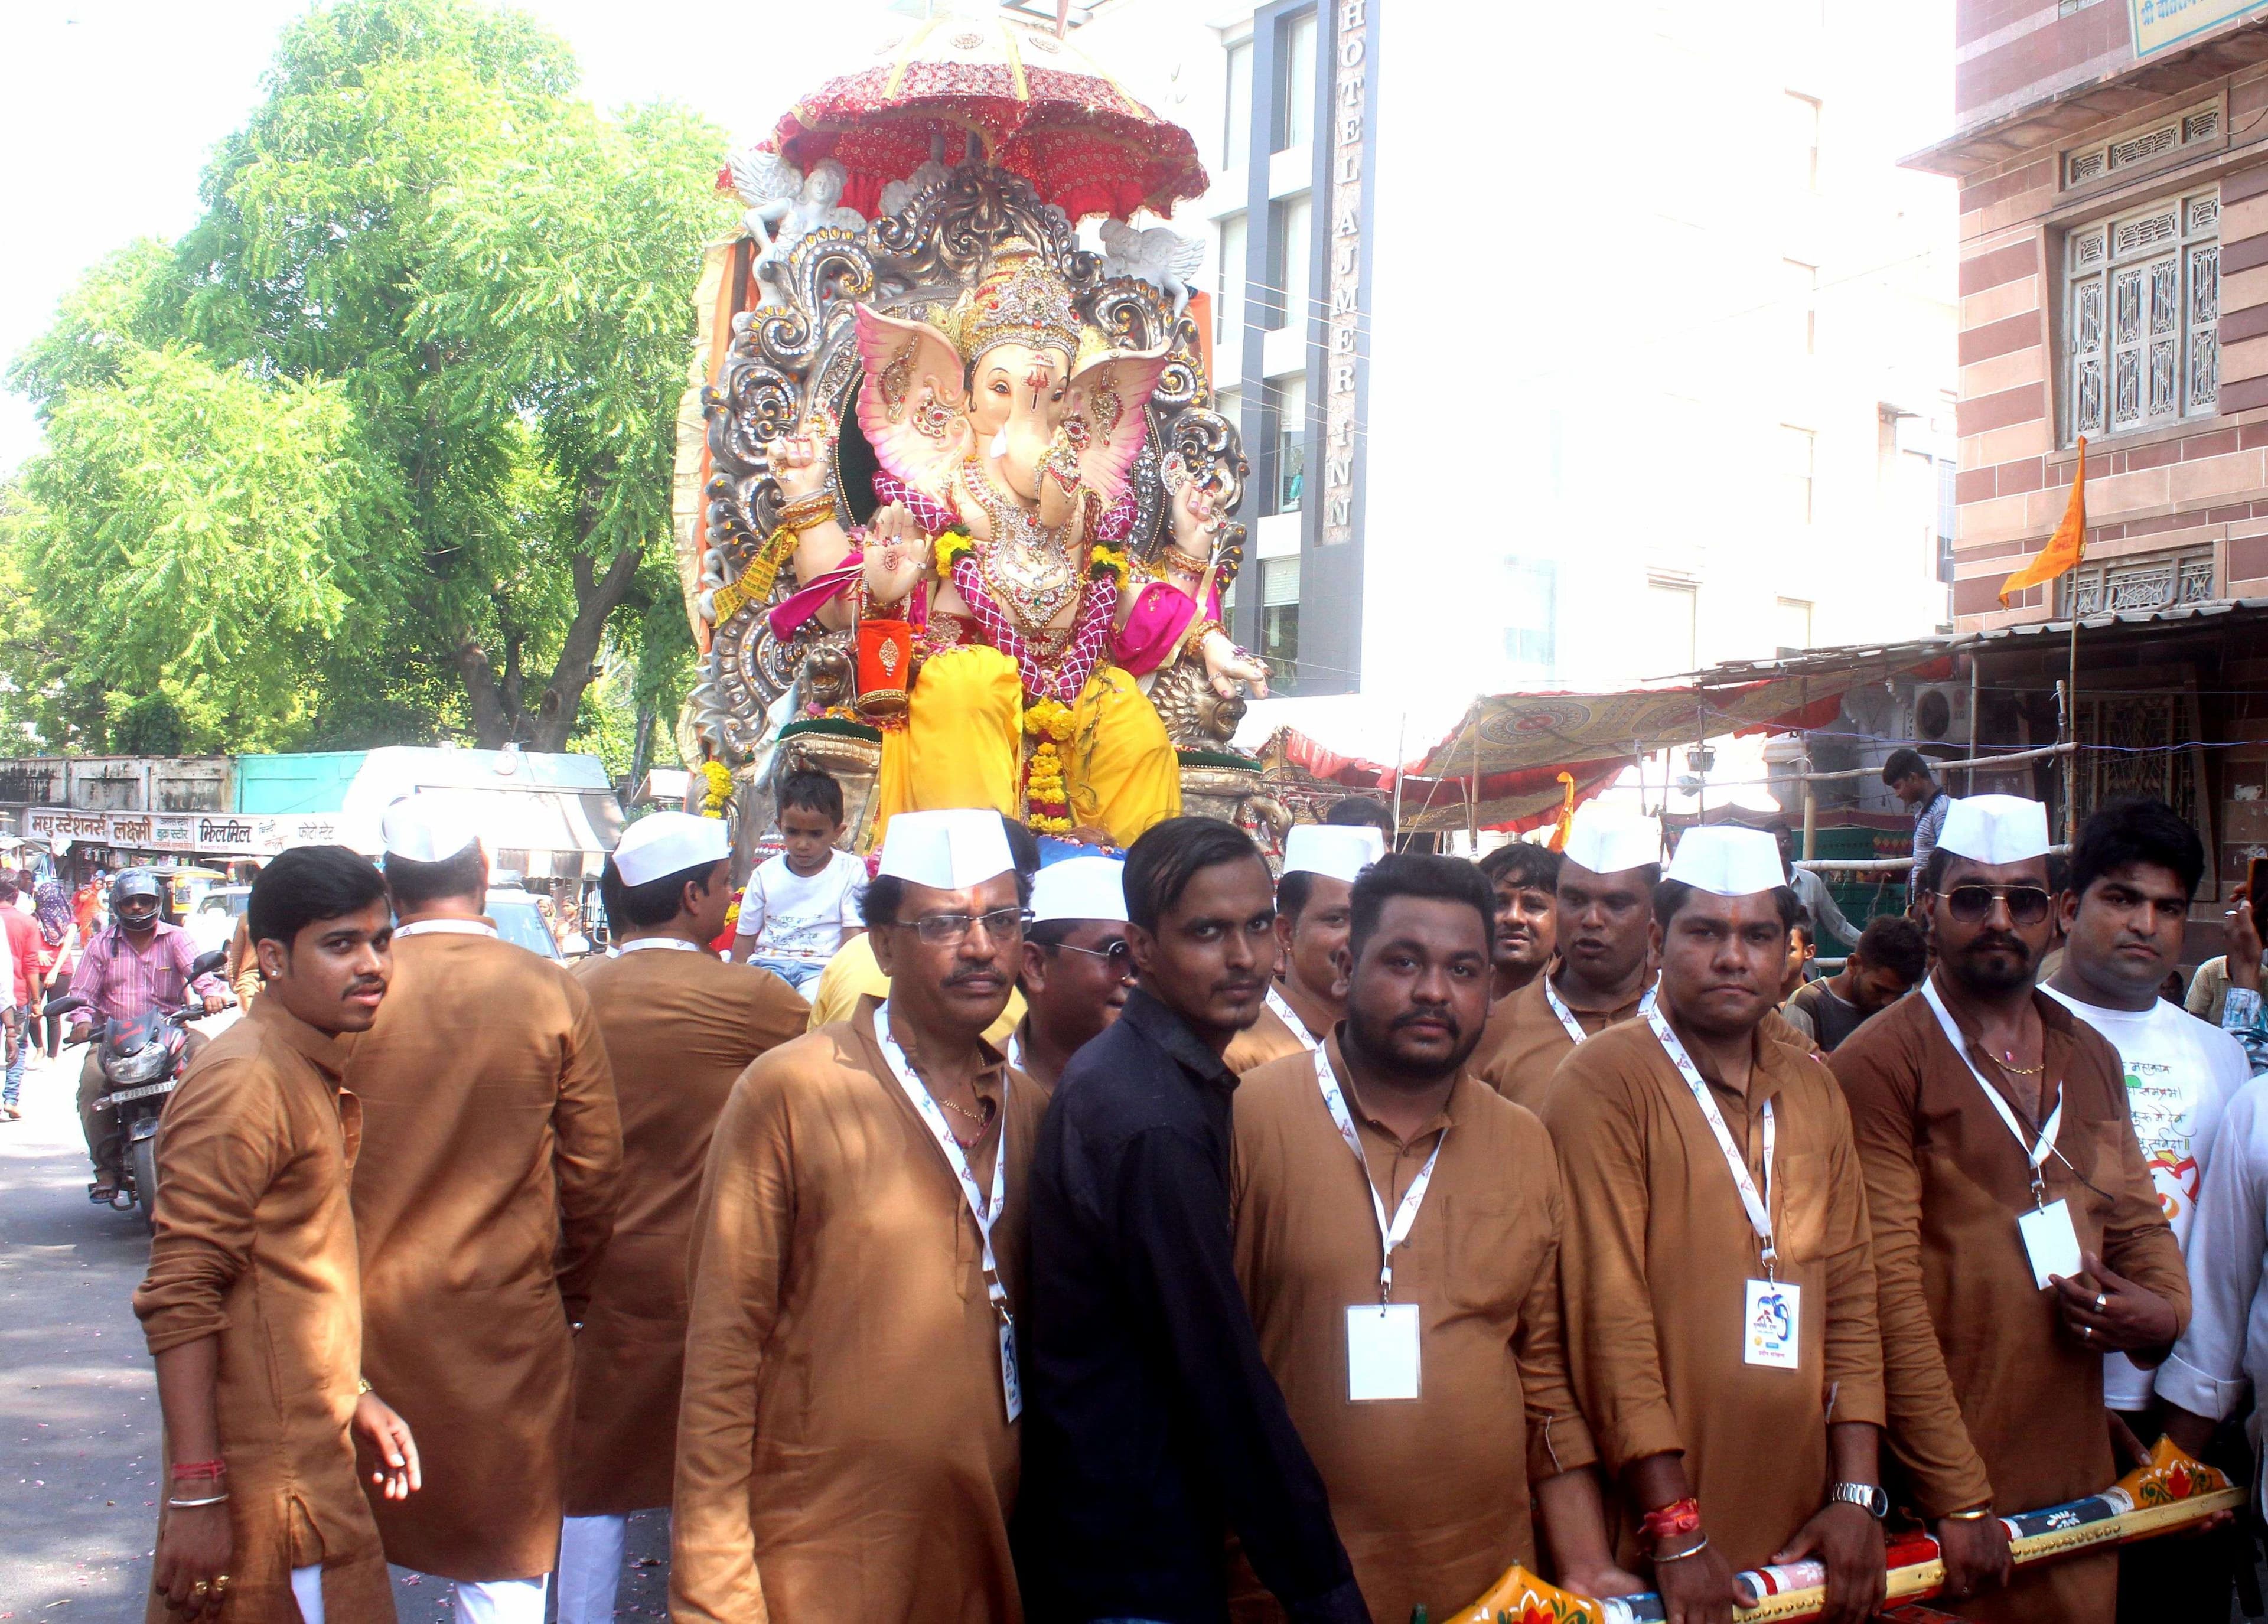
(996, 567)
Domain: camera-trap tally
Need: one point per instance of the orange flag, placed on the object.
(1558, 841)
(2065, 549)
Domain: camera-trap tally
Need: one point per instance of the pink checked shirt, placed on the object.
(122, 983)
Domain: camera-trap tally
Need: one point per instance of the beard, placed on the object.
(1990, 974)
(1375, 1041)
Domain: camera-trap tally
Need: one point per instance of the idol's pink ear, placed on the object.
(912, 407)
(1107, 400)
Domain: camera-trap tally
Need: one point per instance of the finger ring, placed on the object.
(2102, 1298)
(2087, 1331)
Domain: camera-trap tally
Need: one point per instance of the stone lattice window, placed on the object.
(2152, 581)
(2141, 336)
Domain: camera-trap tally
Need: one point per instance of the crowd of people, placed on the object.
(1163, 1239)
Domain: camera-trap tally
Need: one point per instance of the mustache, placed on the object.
(1440, 1017)
(975, 973)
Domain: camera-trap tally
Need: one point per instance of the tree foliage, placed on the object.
(380, 449)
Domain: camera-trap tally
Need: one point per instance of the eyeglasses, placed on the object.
(2028, 905)
(1119, 955)
(939, 929)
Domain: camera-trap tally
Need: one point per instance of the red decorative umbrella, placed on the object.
(985, 88)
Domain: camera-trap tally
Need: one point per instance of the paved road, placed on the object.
(78, 1403)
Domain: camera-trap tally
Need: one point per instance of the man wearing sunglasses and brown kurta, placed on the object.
(2018, 1236)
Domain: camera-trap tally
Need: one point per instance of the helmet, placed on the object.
(133, 885)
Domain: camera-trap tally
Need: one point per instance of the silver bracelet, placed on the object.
(192, 1505)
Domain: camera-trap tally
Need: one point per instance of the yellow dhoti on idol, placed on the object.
(964, 740)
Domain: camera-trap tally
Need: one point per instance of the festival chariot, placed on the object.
(960, 515)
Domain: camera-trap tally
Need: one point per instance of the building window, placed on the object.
(1290, 441)
(1801, 143)
(1295, 81)
(1279, 621)
(2188, 128)
(1531, 615)
(1236, 133)
(2141, 331)
(1793, 616)
(1800, 304)
(1798, 451)
(2152, 581)
(1290, 242)
(1668, 640)
(1228, 313)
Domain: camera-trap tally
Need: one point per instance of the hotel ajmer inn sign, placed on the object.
(2158, 24)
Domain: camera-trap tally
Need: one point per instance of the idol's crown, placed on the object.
(1019, 301)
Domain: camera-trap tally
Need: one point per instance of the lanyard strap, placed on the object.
(1575, 1033)
(1759, 1206)
(2035, 1154)
(985, 1213)
(1390, 1235)
(1289, 1016)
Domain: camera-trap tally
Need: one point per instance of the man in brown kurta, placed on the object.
(1077, 967)
(484, 1198)
(681, 1026)
(1431, 1494)
(250, 1304)
(1321, 862)
(1996, 1384)
(846, 1447)
(1663, 1258)
(1603, 922)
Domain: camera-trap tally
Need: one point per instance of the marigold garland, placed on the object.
(950, 547)
(1046, 797)
(1106, 562)
(718, 778)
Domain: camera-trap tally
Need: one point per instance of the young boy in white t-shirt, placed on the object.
(803, 905)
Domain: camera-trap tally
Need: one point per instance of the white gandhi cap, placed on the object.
(1333, 851)
(949, 850)
(426, 828)
(1080, 888)
(1995, 828)
(1726, 860)
(663, 843)
(1606, 841)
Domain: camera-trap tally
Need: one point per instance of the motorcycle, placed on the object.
(141, 1062)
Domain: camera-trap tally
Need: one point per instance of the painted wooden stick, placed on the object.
(2172, 1491)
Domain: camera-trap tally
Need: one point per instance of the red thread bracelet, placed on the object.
(199, 1468)
(1673, 1521)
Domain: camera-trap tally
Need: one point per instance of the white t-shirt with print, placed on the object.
(2180, 1076)
(794, 915)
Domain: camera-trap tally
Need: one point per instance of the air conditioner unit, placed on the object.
(1939, 713)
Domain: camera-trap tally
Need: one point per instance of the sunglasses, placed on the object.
(1119, 955)
(2028, 905)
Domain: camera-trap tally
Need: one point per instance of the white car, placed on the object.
(213, 920)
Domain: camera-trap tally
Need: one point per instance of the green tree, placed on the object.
(463, 298)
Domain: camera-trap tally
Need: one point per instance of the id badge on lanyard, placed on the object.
(1771, 1308)
(1383, 1357)
(2050, 1236)
(986, 1212)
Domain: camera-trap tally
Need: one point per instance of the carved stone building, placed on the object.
(2113, 285)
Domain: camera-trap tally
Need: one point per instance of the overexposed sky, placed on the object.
(108, 109)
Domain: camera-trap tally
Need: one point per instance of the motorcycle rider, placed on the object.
(135, 964)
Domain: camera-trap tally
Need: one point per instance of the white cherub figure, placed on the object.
(1159, 256)
(785, 205)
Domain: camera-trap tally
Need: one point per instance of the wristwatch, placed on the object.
(1869, 1497)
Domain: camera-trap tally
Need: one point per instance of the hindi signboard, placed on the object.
(2159, 25)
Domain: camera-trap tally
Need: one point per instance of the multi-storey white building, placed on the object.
(1566, 354)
